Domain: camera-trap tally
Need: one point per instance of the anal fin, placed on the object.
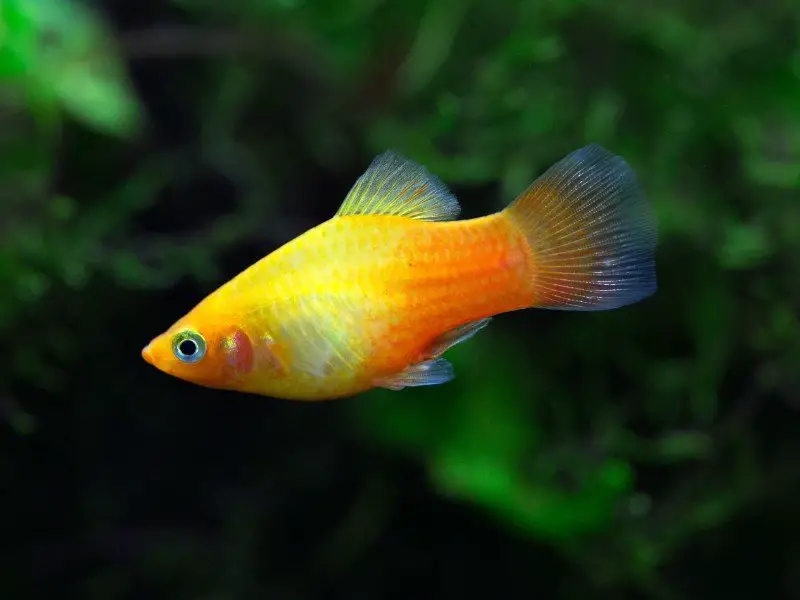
(435, 370)
(455, 336)
(429, 372)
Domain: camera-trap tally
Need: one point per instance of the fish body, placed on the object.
(374, 296)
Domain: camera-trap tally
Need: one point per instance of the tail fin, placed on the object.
(591, 232)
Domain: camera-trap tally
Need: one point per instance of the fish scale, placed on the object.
(375, 295)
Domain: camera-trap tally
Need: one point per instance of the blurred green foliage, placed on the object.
(702, 99)
(61, 56)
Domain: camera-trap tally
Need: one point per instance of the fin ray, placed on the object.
(591, 232)
(395, 185)
(456, 336)
(320, 333)
(429, 372)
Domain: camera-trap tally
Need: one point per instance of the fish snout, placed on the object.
(147, 354)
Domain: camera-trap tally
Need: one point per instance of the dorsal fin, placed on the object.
(395, 185)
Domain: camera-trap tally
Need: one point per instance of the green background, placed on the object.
(150, 151)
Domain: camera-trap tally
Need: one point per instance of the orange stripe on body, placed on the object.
(447, 274)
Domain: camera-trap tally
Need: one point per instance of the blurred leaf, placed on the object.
(745, 246)
(478, 448)
(61, 49)
(434, 40)
(770, 135)
(679, 446)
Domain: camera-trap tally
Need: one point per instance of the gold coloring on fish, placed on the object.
(376, 295)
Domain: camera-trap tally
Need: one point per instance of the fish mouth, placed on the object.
(147, 355)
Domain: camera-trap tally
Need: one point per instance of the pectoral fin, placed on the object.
(322, 334)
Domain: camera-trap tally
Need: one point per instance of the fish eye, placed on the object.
(189, 346)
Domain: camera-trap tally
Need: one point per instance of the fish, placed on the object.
(377, 294)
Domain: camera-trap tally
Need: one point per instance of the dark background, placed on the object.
(151, 150)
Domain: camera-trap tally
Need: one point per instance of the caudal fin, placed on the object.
(591, 232)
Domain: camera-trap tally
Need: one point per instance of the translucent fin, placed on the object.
(591, 231)
(394, 185)
(321, 333)
(456, 336)
(430, 372)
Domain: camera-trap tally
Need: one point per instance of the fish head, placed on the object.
(213, 353)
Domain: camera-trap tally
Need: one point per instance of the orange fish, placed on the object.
(375, 295)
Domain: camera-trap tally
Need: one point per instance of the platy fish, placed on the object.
(373, 297)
